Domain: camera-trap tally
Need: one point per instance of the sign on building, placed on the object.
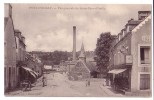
(129, 60)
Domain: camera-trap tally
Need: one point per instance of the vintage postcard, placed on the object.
(77, 50)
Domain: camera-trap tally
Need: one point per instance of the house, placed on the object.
(48, 67)
(10, 69)
(83, 69)
(56, 67)
(130, 56)
(34, 63)
(21, 46)
(20, 50)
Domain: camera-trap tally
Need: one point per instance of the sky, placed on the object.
(49, 27)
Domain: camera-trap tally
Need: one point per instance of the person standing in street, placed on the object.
(43, 81)
(86, 82)
(89, 82)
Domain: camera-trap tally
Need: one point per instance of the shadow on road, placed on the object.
(115, 92)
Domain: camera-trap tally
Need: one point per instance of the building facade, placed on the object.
(21, 47)
(34, 63)
(83, 69)
(20, 51)
(130, 55)
(10, 77)
(142, 54)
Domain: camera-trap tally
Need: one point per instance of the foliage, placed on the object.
(56, 57)
(102, 51)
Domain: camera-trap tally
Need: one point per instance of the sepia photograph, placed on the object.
(77, 50)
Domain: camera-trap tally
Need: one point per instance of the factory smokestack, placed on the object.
(74, 43)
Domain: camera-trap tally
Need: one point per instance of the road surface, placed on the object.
(59, 85)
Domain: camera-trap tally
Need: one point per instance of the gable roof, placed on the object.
(133, 22)
(91, 66)
(84, 65)
(88, 65)
(140, 25)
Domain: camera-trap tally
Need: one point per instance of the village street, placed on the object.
(59, 85)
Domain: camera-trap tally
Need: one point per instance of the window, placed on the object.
(123, 33)
(145, 55)
(119, 37)
(144, 81)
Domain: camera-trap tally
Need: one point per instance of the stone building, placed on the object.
(130, 56)
(79, 69)
(20, 51)
(10, 69)
(83, 69)
(21, 46)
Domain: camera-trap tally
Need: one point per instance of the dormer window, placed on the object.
(123, 33)
(128, 27)
(119, 37)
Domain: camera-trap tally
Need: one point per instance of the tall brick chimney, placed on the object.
(74, 43)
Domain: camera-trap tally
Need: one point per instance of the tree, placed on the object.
(102, 51)
(56, 57)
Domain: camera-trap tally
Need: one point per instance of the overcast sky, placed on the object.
(49, 27)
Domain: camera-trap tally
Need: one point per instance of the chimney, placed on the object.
(7, 10)
(74, 43)
(143, 14)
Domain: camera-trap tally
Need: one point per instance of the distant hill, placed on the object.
(57, 56)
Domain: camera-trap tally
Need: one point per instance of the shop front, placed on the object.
(120, 78)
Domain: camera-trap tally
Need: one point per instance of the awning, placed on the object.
(33, 74)
(36, 73)
(117, 71)
(30, 71)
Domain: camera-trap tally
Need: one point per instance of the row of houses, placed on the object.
(33, 62)
(15, 55)
(130, 56)
(129, 67)
(14, 47)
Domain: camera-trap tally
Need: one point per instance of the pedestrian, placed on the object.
(29, 85)
(43, 81)
(104, 82)
(115, 83)
(86, 82)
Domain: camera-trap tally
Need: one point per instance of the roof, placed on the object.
(144, 12)
(88, 65)
(17, 31)
(5, 21)
(91, 66)
(140, 25)
(82, 51)
(133, 22)
(85, 65)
